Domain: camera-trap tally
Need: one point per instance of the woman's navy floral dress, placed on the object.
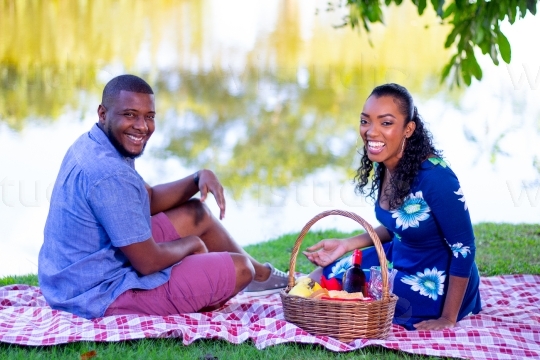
(432, 239)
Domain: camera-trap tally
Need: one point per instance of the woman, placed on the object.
(426, 228)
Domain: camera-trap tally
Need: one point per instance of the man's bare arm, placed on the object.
(164, 197)
(148, 257)
(168, 196)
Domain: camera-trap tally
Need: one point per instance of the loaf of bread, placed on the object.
(342, 294)
(319, 293)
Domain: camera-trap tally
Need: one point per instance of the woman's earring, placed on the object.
(400, 155)
(357, 149)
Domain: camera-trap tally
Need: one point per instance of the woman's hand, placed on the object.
(326, 251)
(435, 324)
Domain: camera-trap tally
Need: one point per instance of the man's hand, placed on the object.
(165, 197)
(208, 182)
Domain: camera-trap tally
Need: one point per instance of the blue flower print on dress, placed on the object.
(430, 283)
(458, 248)
(413, 210)
(340, 267)
(462, 198)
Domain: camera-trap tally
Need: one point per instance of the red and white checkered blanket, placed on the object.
(507, 328)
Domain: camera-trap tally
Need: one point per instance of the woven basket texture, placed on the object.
(343, 320)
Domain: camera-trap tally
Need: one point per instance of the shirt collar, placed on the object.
(101, 138)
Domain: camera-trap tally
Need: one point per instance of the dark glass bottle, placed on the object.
(354, 279)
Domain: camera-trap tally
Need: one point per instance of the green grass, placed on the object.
(501, 249)
(507, 248)
(29, 279)
(202, 349)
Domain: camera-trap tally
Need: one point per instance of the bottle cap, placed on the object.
(357, 257)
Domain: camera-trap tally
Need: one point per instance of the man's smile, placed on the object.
(137, 139)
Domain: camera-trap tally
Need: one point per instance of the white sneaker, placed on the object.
(277, 281)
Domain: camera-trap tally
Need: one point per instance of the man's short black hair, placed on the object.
(124, 82)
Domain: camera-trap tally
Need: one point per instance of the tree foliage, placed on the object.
(475, 24)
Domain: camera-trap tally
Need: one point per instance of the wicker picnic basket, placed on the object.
(343, 320)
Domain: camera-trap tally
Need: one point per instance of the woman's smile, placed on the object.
(375, 147)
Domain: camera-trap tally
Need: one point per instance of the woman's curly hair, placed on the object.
(418, 147)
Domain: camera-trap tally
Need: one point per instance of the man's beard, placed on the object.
(121, 149)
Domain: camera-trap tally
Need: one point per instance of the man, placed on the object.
(114, 245)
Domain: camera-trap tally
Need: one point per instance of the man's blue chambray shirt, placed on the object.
(99, 203)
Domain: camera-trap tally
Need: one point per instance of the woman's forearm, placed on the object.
(454, 297)
(364, 240)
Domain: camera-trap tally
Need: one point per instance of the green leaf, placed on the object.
(479, 36)
(374, 13)
(493, 54)
(523, 7)
(446, 70)
(531, 5)
(462, 4)
(484, 46)
(466, 77)
(512, 12)
(421, 4)
(449, 10)
(474, 67)
(455, 32)
(504, 47)
(438, 6)
(448, 67)
(470, 66)
(465, 65)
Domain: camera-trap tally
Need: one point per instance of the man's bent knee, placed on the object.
(188, 218)
(198, 209)
(244, 271)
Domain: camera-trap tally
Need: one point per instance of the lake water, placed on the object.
(268, 96)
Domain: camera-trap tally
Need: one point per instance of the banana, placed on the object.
(316, 286)
(304, 287)
(304, 280)
(301, 290)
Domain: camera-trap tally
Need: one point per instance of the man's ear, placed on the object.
(101, 113)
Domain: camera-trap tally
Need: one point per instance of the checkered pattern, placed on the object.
(507, 328)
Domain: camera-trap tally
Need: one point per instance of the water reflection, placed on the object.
(274, 130)
(266, 93)
(275, 115)
(53, 53)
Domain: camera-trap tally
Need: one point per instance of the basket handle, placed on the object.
(376, 241)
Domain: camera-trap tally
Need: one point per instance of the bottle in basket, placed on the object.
(354, 280)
